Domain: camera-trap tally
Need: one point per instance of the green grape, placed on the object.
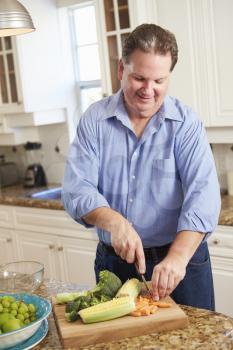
(21, 310)
(33, 318)
(14, 306)
(24, 306)
(27, 321)
(5, 303)
(8, 298)
(26, 315)
(31, 308)
(5, 310)
(20, 317)
(1, 308)
(13, 312)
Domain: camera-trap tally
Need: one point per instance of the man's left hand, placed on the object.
(167, 275)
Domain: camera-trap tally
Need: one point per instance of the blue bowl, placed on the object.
(20, 335)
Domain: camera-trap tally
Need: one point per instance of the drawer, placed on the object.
(221, 242)
(50, 221)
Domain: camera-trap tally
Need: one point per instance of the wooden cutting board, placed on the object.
(77, 334)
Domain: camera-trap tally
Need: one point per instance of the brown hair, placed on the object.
(150, 37)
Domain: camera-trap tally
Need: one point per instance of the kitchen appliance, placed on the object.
(9, 174)
(35, 176)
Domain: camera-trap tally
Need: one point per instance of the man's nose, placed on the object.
(149, 85)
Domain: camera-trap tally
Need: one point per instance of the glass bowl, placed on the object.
(14, 338)
(21, 276)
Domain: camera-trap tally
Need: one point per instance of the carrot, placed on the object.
(146, 306)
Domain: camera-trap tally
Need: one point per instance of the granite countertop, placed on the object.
(19, 196)
(207, 330)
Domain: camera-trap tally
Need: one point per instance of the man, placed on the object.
(140, 169)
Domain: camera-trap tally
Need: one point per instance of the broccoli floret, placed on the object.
(71, 316)
(72, 306)
(108, 284)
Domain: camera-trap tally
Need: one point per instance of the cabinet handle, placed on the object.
(216, 241)
(51, 246)
(60, 249)
(9, 240)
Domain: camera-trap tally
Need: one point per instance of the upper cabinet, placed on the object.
(204, 72)
(31, 66)
(8, 83)
(203, 28)
(115, 26)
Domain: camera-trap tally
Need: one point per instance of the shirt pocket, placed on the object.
(166, 185)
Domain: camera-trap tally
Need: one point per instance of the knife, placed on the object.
(143, 280)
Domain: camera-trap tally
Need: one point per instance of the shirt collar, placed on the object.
(116, 108)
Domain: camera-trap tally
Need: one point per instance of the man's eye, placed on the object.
(138, 78)
(160, 81)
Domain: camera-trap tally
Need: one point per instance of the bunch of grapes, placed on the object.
(15, 314)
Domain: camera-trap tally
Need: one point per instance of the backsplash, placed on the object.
(223, 155)
(52, 155)
(55, 144)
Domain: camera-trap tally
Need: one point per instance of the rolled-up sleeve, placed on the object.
(80, 193)
(201, 205)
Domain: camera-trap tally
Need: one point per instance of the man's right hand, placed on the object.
(128, 245)
(124, 239)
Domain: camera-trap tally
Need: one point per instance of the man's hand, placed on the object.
(167, 275)
(124, 239)
(171, 270)
(128, 245)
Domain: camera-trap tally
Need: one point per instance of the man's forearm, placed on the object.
(185, 245)
(106, 219)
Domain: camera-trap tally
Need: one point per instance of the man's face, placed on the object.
(144, 81)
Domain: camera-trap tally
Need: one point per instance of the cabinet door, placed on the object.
(8, 252)
(40, 247)
(77, 256)
(223, 284)
(115, 25)
(8, 82)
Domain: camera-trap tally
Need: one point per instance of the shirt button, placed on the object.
(135, 154)
(131, 200)
(133, 177)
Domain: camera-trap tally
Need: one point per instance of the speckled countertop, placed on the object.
(207, 330)
(18, 195)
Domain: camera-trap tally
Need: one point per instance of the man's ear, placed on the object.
(120, 69)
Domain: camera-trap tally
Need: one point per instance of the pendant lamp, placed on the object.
(14, 18)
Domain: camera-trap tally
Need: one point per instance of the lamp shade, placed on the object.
(14, 18)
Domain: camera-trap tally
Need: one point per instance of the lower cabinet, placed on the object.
(221, 253)
(66, 248)
(8, 246)
(67, 259)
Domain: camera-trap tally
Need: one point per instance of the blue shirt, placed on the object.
(163, 183)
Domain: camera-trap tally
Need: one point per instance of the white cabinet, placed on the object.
(40, 247)
(8, 243)
(66, 249)
(221, 252)
(8, 247)
(33, 89)
(204, 72)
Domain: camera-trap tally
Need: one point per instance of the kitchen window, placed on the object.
(86, 53)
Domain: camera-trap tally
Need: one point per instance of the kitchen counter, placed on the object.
(207, 330)
(19, 196)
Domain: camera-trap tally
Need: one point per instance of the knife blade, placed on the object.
(144, 280)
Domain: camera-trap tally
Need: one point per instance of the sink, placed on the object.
(52, 193)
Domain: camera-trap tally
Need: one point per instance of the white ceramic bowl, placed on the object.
(21, 276)
(20, 335)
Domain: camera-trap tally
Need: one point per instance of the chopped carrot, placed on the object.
(146, 306)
